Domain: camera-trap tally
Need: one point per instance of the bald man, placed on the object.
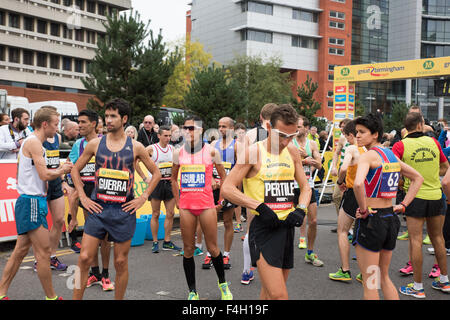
(147, 135)
(70, 134)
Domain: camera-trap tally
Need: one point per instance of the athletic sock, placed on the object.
(247, 257)
(189, 271)
(309, 252)
(105, 273)
(418, 286)
(218, 266)
(199, 245)
(443, 278)
(226, 253)
(95, 271)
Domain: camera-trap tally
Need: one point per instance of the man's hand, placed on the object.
(133, 205)
(91, 206)
(67, 167)
(268, 216)
(334, 172)
(295, 218)
(73, 224)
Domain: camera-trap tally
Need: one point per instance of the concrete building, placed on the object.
(46, 46)
(310, 36)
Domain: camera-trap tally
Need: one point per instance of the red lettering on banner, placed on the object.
(340, 89)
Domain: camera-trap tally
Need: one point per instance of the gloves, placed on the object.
(295, 218)
(267, 216)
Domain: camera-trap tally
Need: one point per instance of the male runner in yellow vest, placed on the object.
(268, 170)
(424, 154)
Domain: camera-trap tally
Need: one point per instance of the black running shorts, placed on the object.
(275, 245)
(378, 231)
(163, 191)
(420, 208)
(349, 203)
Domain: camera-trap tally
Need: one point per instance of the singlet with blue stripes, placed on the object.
(382, 182)
(52, 152)
(227, 156)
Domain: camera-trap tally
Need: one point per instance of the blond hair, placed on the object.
(44, 114)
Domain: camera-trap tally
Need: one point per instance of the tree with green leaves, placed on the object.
(306, 105)
(395, 120)
(130, 63)
(214, 94)
(262, 81)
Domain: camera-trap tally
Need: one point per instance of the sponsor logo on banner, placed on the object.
(7, 210)
(428, 65)
(340, 106)
(351, 98)
(351, 107)
(340, 89)
(351, 89)
(340, 98)
(339, 116)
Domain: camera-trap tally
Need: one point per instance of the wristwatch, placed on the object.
(302, 207)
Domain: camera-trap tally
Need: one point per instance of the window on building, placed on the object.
(41, 59)
(336, 51)
(305, 15)
(331, 67)
(28, 57)
(67, 3)
(91, 7)
(80, 4)
(340, 1)
(2, 18)
(56, 1)
(42, 26)
(102, 9)
(330, 104)
(336, 41)
(14, 55)
(14, 20)
(67, 33)
(79, 35)
(255, 35)
(337, 15)
(257, 7)
(2, 53)
(55, 29)
(79, 65)
(54, 61)
(330, 77)
(28, 23)
(337, 25)
(90, 37)
(304, 42)
(330, 94)
(67, 63)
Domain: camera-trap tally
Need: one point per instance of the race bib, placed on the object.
(279, 194)
(193, 178)
(166, 170)
(52, 159)
(226, 166)
(112, 185)
(390, 176)
(88, 172)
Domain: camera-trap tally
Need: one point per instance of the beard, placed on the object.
(21, 126)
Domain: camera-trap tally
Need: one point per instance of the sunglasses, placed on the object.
(190, 128)
(284, 135)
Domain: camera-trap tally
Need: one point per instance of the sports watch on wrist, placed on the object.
(302, 207)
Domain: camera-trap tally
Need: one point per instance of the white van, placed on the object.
(14, 102)
(66, 109)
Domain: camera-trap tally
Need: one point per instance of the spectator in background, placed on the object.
(177, 138)
(312, 135)
(147, 135)
(4, 119)
(131, 132)
(100, 127)
(156, 127)
(323, 136)
(70, 134)
(13, 134)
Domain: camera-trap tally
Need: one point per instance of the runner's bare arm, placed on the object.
(446, 184)
(315, 161)
(174, 177)
(88, 153)
(300, 177)
(348, 157)
(142, 154)
(361, 173)
(416, 182)
(137, 165)
(217, 159)
(230, 186)
(336, 156)
(34, 151)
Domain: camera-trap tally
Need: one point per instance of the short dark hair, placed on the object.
(372, 122)
(121, 105)
(164, 128)
(18, 112)
(350, 128)
(194, 118)
(284, 113)
(306, 122)
(2, 116)
(267, 110)
(90, 114)
(412, 120)
(239, 125)
(344, 122)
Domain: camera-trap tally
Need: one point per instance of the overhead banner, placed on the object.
(408, 69)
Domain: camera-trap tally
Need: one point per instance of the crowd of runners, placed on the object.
(269, 170)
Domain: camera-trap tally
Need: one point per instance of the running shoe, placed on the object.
(193, 296)
(57, 298)
(350, 237)
(340, 275)
(238, 228)
(438, 285)
(207, 263)
(410, 291)
(426, 240)
(107, 284)
(431, 251)
(435, 271)
(302, 243)
(359, 278)
(198, 252)
(225, 291)
(407, 270)
(247, 277)
(55, 264)
(155, 247)
(76, 247)
(403, 236)
(313, 259)
(226, 263)
(170, 246)
(93, 280)
(4, 298)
